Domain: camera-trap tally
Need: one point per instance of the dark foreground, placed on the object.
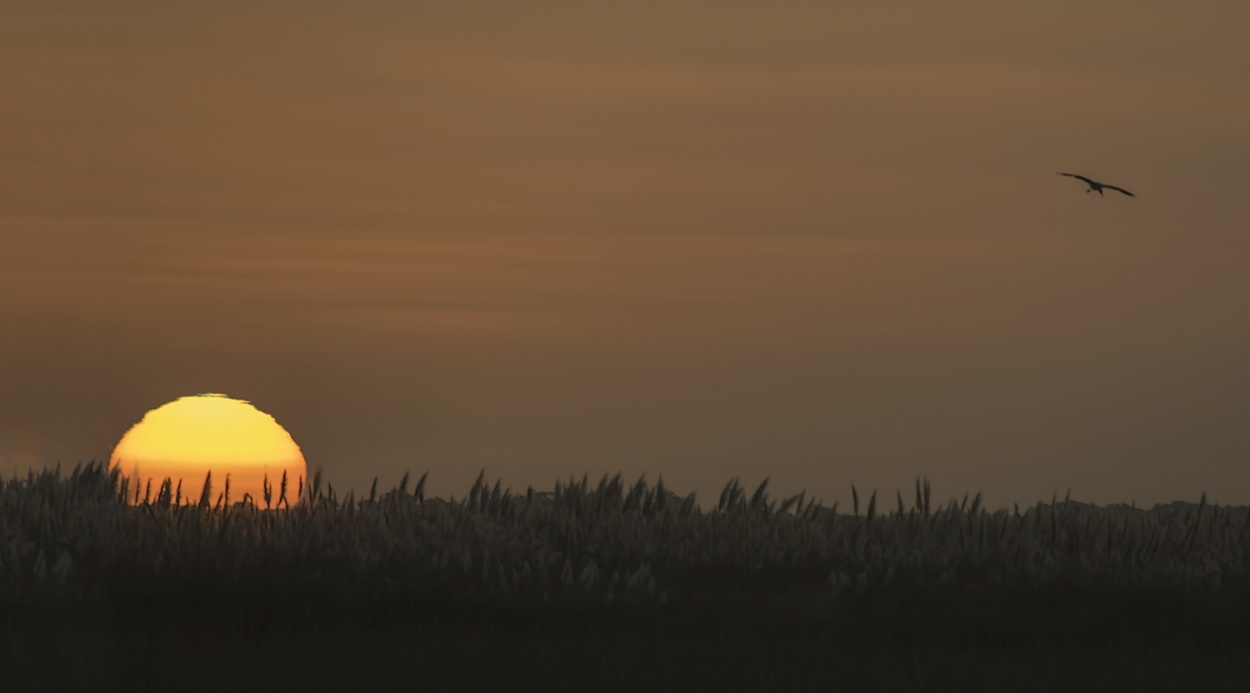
(206, 640)
(614, 588)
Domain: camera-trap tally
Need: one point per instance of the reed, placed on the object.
(607, 543)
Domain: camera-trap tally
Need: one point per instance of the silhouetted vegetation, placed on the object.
(614, 586)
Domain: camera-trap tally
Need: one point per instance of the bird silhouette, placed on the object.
(1096, 186)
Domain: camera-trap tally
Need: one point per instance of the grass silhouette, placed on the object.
(615, 585)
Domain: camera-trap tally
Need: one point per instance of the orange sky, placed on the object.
(701, 240)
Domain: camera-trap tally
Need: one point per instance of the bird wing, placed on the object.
(1073, 175)
(1112, 187)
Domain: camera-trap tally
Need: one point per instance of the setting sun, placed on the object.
(186, 439)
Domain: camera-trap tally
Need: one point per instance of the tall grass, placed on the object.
(606, 542)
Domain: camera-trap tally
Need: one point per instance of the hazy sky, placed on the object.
(819, 241)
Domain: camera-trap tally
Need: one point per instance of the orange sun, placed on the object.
(186, 439)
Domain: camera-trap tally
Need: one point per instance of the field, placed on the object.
(612, 586)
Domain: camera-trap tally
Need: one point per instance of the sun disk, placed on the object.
(186, 439)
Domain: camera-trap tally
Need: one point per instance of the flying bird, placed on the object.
(1095, 185)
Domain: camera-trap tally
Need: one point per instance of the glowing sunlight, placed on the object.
(186, 439)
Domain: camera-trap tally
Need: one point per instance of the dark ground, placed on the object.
(206, 638)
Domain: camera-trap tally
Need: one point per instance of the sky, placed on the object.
(823, 243)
